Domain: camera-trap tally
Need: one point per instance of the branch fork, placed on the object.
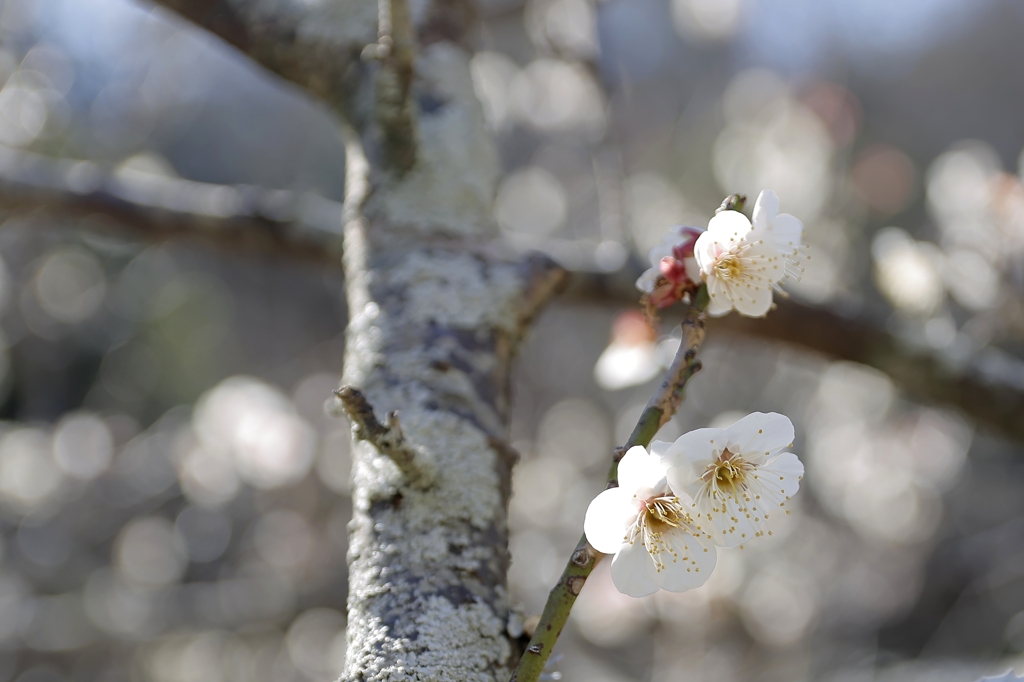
(387, 437)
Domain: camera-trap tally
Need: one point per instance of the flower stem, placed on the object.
(584, 558)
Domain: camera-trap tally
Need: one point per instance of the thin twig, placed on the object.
(387, 437)
(584, 558)
(396, 50)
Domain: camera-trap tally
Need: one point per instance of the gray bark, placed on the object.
(436, 312)
(435, 317)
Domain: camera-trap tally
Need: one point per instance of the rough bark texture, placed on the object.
(432, 329)
(434, 321)
(435, 316)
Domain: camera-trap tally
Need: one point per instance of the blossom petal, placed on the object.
(765, 209)
(662, 250)
(698, 447)
(719, 298)
(787, 233)
(659, 448)
(763, 262)
(696, 557)
(638, 469)
(779, 480)
(704, 252)
(633, 571)
(608, 518)
(647, 281)
(692, 269)
(689, 456)
(727, 228)
(760, 435)
(734, 521)
(752, 301)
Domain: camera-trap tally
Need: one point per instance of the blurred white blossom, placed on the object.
(257, 428)
(632, 356)
(773, 140)
(908, 272)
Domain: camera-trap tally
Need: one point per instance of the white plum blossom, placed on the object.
(646, 526)
(674, 271)
(632, 356)
(785, 232)
(736, 478)
(743, 261)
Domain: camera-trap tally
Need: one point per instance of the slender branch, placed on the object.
(584, 558)
(387, 437)
(240, 217)
(396, 50)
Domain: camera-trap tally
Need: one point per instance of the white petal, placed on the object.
(763, 262)
(638, 469)
(695, 559)
(659, 448)
(689, 456)
(727, 228)
(760, 434)
(733, 519)
(704, 252)
(698, 447)
(660, 251)
(787, 233)
(692, 269)
(752, 301)
(646, 281)
(634, 572)
(720, 298)
(608, 518)
(684, 480)
(765, 209)
(779, 480)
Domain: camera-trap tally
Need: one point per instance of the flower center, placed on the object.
(657, 517)
(729, 266)
(727, 474)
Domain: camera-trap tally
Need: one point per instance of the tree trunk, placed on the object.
(436, 314)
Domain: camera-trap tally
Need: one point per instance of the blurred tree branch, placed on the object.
(921, 374)
(307, 228)
(314, 45)
(155, 207)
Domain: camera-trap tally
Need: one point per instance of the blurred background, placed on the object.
(174, 500)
